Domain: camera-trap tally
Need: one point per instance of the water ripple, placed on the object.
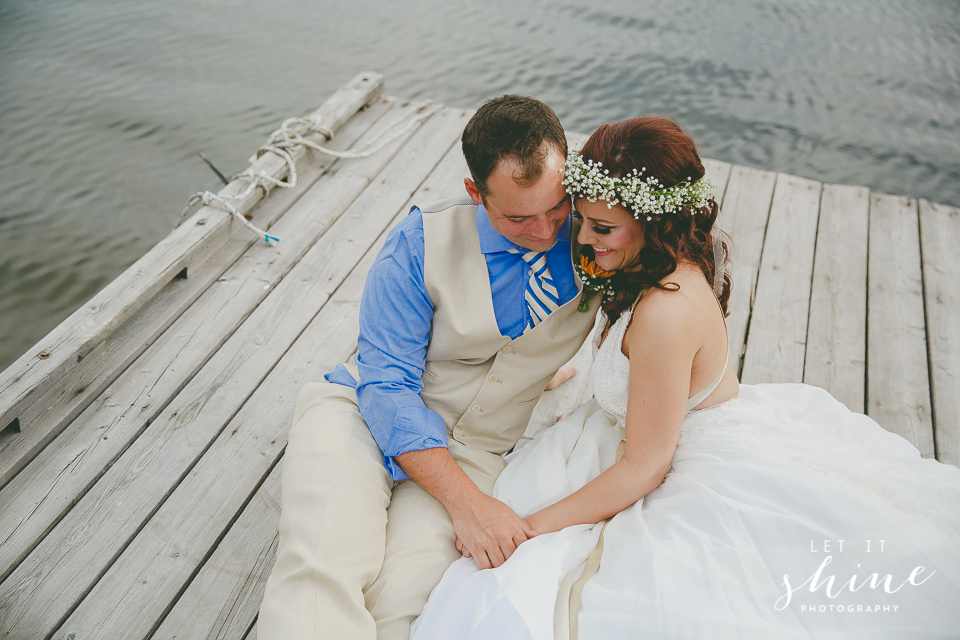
(104, 104)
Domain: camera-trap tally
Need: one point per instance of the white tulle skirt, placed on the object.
(785, 516)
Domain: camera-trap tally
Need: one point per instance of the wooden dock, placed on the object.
(139, 463)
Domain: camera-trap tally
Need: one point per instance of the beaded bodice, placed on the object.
(611, 369)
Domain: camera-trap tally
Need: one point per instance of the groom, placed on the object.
(468, 311)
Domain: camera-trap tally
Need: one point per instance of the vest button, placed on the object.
(458, 433)
(475, 409)
(507, 349)
(494, 378)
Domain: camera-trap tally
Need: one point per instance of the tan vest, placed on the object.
(483, 384)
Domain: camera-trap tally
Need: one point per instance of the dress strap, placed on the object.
(702, 395)
(695, 400)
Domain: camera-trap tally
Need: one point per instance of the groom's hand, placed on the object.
(488, 530)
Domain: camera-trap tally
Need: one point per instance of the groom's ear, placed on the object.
(472, 191)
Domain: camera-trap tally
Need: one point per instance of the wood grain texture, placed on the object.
(898, 386)
(59, 475)
(225, 604)
(69, 344)
(81, 386)
(224, 598)
(718, 172)
(836, 357)
(245, 433)
(157, 460)
(207, 500)
(743, 215)
(154, 511)
(940, 247)
(776, 339)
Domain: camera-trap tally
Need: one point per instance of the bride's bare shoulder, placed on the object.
(677, 305)
(685, 285)
(668, 308)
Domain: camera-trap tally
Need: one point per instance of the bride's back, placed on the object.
(702, 325)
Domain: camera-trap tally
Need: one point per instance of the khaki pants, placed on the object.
(358, 554)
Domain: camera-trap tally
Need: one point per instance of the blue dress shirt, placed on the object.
(395, 320)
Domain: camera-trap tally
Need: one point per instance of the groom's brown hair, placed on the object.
(511, 126)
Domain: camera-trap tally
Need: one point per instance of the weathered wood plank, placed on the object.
(147, 472)
(210, 496)
(776, 339)
(38, 497)
(77, 336)
(81, 386)
(247, 549)
(898, 385)
(836, 356)
(718, 172)
(939, 242)
(743, 215)
(224, 598)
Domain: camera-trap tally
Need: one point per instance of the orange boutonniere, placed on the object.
(594, 278)
(592, 269)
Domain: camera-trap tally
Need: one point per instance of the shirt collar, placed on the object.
(492, 242)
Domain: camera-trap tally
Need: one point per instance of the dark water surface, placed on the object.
(104, 104)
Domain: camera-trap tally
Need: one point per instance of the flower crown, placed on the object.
(641, 196)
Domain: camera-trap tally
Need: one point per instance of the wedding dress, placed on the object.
(784, 515)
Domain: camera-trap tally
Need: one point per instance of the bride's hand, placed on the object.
(536, 523)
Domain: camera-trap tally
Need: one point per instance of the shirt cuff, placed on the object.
(414, 429)
(340, 375)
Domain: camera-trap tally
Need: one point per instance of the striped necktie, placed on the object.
(540, 293)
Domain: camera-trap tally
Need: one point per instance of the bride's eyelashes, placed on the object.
(596, 229)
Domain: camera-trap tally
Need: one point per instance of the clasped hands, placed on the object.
(489, 532)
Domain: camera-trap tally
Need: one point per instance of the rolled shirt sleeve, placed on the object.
(395, 320)
(396, 314)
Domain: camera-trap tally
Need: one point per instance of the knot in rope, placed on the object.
(292, 136)
(316, 127)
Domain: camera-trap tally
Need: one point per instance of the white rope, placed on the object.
(292, 136)
(208, 197)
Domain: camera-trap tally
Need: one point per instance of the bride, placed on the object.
(678, 503)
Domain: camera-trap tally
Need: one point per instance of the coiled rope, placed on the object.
(290, 138)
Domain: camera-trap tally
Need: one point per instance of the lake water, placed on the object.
(104, 104)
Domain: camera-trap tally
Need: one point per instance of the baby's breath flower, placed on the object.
(642, 196)
(594, 278)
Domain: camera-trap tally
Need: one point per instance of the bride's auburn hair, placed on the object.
(661, 147)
